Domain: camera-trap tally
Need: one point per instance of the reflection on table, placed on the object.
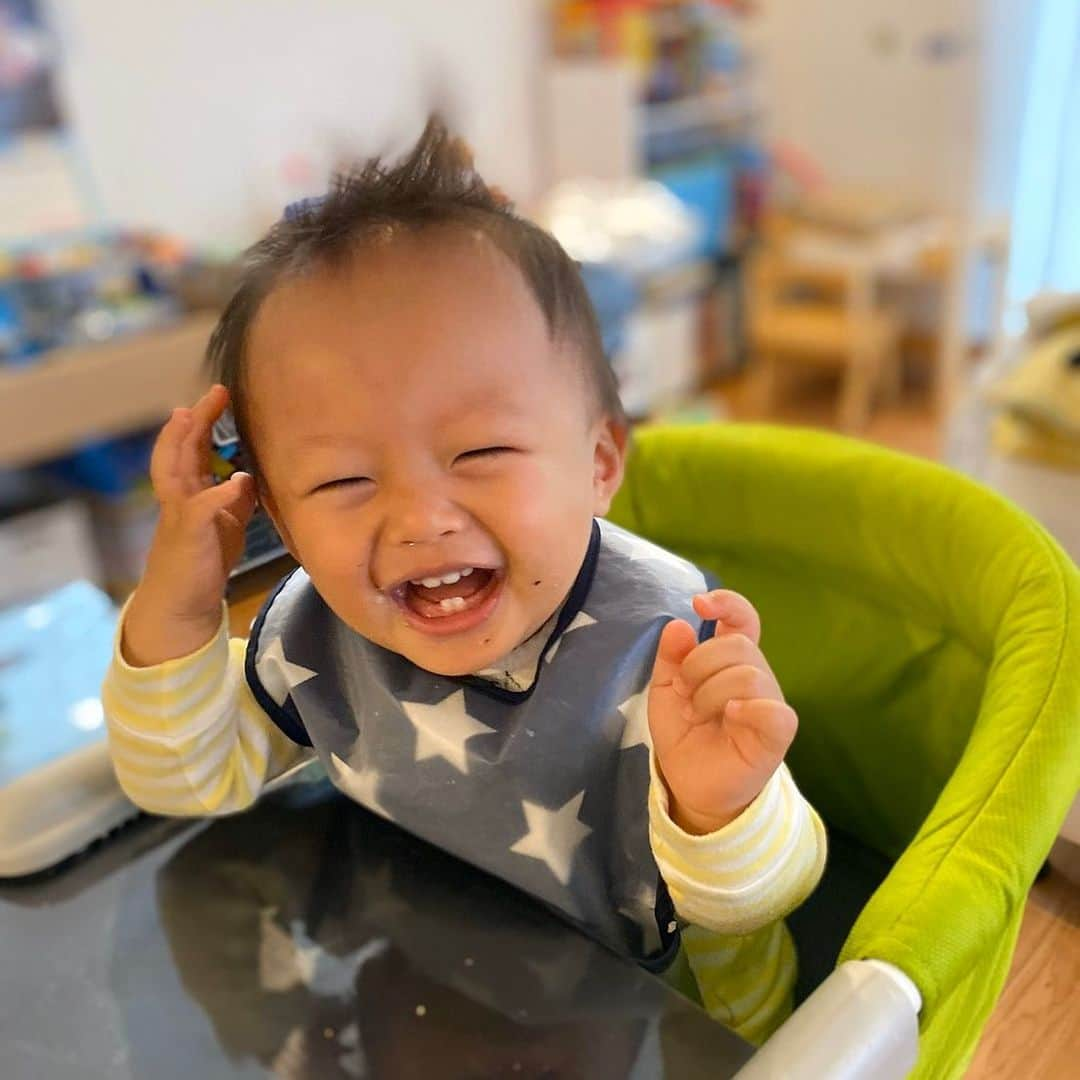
(309, 938)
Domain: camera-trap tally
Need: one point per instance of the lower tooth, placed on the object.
(453, 603)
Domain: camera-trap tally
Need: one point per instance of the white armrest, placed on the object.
(861, 1023)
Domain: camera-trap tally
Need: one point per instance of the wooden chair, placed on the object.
(810, 314)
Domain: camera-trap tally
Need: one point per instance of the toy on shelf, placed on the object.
(228, 455)
(75, 290)
(690, 65)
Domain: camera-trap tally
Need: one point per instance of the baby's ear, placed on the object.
(609, 457)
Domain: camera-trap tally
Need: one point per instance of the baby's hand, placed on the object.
(198, 540)
(720, 726)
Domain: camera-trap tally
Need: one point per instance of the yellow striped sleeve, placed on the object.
(746, 981)
(187, 737)
(748, 874)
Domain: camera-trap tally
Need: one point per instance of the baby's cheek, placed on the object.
(549, 557)
(320, 559)
(339, 570)
(545, 503)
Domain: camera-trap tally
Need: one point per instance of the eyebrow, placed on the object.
(303, 476)
(498, 408)
(505, 407)
(317, 440)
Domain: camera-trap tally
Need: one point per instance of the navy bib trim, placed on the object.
(286, 719)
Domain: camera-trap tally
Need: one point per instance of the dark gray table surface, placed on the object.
(309, 938)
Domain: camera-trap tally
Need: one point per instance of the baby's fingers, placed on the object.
(192, 521)
(677, 641)
(744, 682)
(772, 724)
(716, 655)
(165, 459)
(194, 461)
(734, 614)
(236, 495)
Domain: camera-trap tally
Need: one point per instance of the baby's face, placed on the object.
(428, 453)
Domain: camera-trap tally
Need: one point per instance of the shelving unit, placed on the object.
(76, 395)
(599, 128)
(715, 117)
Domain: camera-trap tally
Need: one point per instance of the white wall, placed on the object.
(186, 111)
(870, 113)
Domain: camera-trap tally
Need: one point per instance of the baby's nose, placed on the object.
(424, 518)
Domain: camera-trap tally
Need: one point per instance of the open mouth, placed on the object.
(450, 601)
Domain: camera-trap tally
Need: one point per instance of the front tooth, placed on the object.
(453, 603)
(431, 582)
(451, 579)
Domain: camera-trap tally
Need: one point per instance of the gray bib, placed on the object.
(547, 788)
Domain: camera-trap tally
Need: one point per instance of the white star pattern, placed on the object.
(641, 909)
(360, 785)
(279, 675)
(580, 620)
(553, 836)
(290, 959)
(442, 730)
(636, 711)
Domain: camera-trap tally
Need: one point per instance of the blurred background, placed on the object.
(849, 213)
(856, 214)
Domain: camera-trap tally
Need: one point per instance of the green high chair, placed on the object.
(928, 633)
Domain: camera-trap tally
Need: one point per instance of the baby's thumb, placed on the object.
(676, 642)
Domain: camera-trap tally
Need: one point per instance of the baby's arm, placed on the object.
(749, 873)
(187, 736)
(736, 842)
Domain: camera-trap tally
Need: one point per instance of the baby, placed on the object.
(418, 376)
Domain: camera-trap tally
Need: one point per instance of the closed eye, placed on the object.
(484, 452)
(341, 482)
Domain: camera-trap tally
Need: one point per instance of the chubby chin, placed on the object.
(455, 656)
(449, 666)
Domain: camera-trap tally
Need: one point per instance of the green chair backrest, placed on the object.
(928, 633)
